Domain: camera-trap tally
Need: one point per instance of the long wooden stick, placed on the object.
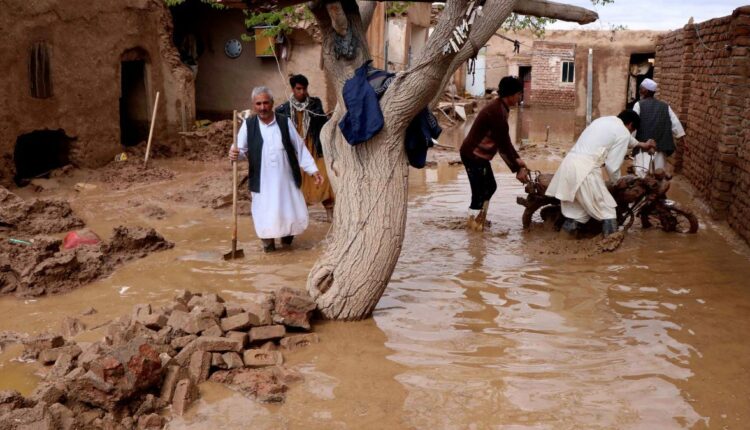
(234, 186)
(151, 130)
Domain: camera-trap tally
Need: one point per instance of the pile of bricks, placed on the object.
(153, 360)
(703, 71)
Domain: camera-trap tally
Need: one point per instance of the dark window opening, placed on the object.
(568, 71)
(39, 71)
(39, 152)
(134, 119)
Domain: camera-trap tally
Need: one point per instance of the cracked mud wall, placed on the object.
(85, 42)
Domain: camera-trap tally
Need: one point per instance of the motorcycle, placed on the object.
(636, 197)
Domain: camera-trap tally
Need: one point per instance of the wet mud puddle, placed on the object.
(474, 331)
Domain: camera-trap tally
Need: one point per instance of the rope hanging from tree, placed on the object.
(471, 68)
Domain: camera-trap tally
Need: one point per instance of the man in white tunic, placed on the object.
(579, 182)
(658, 122)
(275, 154)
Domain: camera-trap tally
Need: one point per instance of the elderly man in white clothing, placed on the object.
(275, 152)
(658, 122)
(579, 181)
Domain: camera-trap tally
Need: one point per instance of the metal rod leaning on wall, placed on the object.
(589, 86)
(151, 131)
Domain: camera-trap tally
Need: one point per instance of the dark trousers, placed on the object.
(481, 179)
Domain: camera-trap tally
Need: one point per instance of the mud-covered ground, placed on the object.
(507, 328)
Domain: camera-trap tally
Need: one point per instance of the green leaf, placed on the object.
(213, 3)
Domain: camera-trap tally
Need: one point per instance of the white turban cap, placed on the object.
(649, 84)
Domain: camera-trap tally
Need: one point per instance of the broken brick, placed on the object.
(184, 394)
(232, 360)
(200, 364)
(241, 321)
(266, 332)
(299, 341)
(262, 358)
(49, 356)
(238, 336)
(217, 344)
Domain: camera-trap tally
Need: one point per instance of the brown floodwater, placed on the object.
(539, 124)
(475, 331)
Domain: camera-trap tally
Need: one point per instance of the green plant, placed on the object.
(212, 3)
(523, 22)
(538, 25)
(397, 8)
(279, 21)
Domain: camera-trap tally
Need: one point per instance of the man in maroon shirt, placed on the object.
(488, 136)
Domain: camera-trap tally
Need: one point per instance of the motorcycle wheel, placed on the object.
(552, 215)
(528, 213)
(674, 219)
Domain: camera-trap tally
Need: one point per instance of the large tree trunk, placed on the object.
(370, 179)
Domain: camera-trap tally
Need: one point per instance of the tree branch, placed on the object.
(561, 11)
(366, 11)
(415, 90)
(538, 8)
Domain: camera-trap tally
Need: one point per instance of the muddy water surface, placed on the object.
(475, 330)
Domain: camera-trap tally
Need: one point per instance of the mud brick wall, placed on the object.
(87, 41)
(703, 71)
(547, 87)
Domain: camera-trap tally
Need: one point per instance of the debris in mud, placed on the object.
(460, 224)
(611, 242)
(584, 245)
(153, 211)
(541, 150)
(122, 175)
(207, 143)
(215, 192)
(36, 216)
(84, 236)
(88, 311)
(153, 360)
(7, 337)
(128, 243)
(45, 267)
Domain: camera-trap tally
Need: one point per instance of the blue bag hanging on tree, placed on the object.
(363, 118)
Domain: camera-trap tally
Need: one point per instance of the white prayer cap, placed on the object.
(649, 84)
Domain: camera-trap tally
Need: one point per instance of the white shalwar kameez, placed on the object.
(579, 182)
(279, 208)
(642, 160)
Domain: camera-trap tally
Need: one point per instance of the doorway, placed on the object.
(524, 74)
(39, 152)
(134, 121)
(641, 67)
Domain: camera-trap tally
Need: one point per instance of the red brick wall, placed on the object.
(547, 88)
(703, 72)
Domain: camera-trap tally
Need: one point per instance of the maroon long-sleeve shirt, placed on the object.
(489, 135)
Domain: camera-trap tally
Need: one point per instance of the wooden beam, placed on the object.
(538, 8)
